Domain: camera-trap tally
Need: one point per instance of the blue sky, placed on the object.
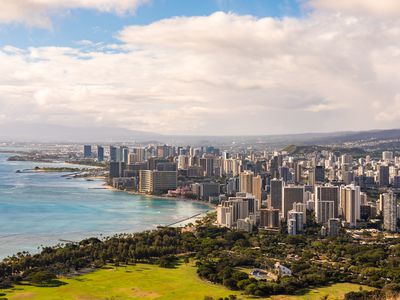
(84, 24)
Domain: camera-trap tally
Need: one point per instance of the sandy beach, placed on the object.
(210, 205)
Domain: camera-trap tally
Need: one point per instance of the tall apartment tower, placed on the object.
(326, 203)
(383, 175)
(152, 181)
(246, 182)
(291, 195)
(319, 173)
(100, 153)
(124, 152)
(276, 194)
(87, 151)
(350, 204)
(257, 189)
(298, 173)
(113, 154)
(269, 218)
(346, 159)
(387, 156)
(390, 211)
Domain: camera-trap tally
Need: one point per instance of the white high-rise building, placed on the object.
(298, 217)
(390, 211)
(387, 156)
(350, 204)
(240, 207)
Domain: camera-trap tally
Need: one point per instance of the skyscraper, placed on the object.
(246, 182)
(269, 218)
(390, 211)
(151, 181)
(326, 203)
(291, 195)
(124, 154)
(387, 156)
(276, 194)
(350, 204)
(285, 174)
(257, 189)
(113, 154)
(298, 171)
(383, 175)
(100, 153)
(87, 151)
(299, 223)
(319, 173)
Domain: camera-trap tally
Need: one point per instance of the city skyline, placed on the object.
(219, 67)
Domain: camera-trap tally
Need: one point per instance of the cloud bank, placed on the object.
(383, 8)
(38, 13)
(219, 74)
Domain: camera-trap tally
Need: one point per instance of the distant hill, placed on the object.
(58, 133)
(360, 136)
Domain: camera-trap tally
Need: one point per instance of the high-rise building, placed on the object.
(346, 159)
(232, 186)
(209, 189)
(285, 174)
(113, 154)
(298, 171)
(292, 226)
(350, 204)
(87, 151)
(100, 153)
(164, 151)
(155, 182)
(390, 211)
(246, 182)
(140, 154)
(319, 173)
(117, 169)
(276, 194)
(124, 154)
(347, 177)
(333, 227)
(299, 217)
(383, 175)
(269, 218)
(257, 189)
(183, 162)
(240, 207)
(326, 203)
(387, 156)
(396, 182)
(208, 165)
(291, 195)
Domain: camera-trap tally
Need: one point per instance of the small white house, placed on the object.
(282, 270)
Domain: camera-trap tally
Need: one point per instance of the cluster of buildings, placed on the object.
(270, 190)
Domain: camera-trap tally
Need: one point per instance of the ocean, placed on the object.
(41, 209)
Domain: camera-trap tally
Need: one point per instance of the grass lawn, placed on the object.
(148, 282)
(333, 292)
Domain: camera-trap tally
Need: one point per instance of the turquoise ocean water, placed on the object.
(43, 208)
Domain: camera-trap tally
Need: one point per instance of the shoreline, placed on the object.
(210, 205)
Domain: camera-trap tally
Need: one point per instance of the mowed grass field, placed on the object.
(149, 282)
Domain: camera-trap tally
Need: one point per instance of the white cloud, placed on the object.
(38, 13)
(384, 8)
(218, 74)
